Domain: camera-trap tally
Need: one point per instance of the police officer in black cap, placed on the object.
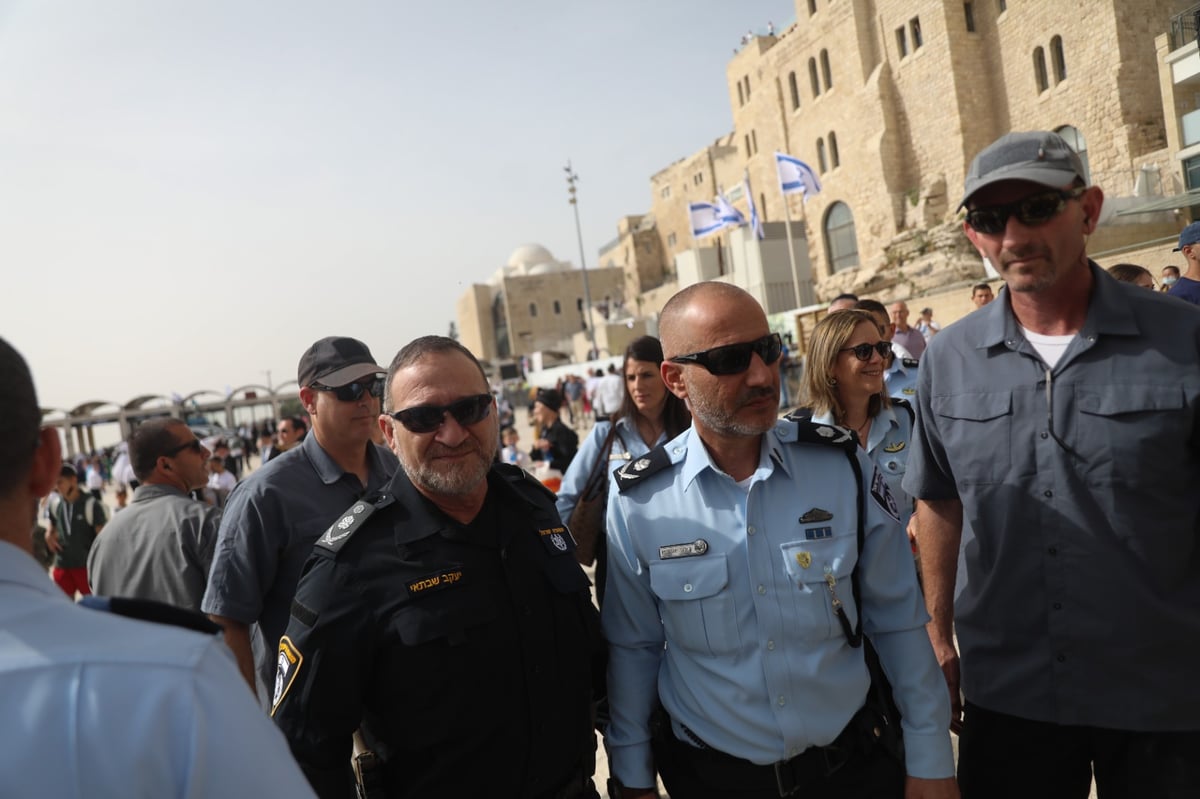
(445, 617)
(558, 443)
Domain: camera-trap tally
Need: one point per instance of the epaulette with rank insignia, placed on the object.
(909, 363)
(809, 432)
(632, 473)
(150, 610)
(333, 539)
(520, 478)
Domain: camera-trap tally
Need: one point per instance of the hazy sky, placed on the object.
(191, 193)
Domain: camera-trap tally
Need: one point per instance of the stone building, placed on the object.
(889, 101)
(534, 303)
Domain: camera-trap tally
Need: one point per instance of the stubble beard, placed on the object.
(450, 479)
(725, 423)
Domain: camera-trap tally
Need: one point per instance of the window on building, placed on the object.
(762, 207)
(1039, 69)
(812, 7)
(901, 41)
(754, 141)
(812, 77)
(794, 89)
(671, 239)
(746, 83)
(821, 164)
(1075, 140)
(741, 97)
(557, 308)
(746, 140)
(533, 309)
(841, 242)
(1059, 59)
(699, 178)
(665, 193)
(1191, 172)
(914, 28)
(834, 159)
(969, 13)
(1002, 5)
(826, 73)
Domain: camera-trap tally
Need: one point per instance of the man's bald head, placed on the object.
(677, 335)
(20, 418)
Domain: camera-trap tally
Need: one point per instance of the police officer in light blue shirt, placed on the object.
(737, 585)
(99, 705)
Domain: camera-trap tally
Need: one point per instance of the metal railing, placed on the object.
(1185, 27)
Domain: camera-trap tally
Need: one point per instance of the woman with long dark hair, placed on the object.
(650, 415)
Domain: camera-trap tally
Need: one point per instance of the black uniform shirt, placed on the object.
(467, 651)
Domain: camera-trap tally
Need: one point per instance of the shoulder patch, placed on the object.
(340, 531)
(634, 472)
(807, 432)
(909, 363)
(800, 415)
(286, 669)
(882, 496)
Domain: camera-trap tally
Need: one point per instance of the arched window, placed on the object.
(533, 309)
(1058, 59)
(841, 243)
(812, 7)
(812, 77)
(741, 97)
(825, 72)
(557, 308)
(762, 207)
(794, 89)
(1039, 69)
(834, 159)
(821, 156)
(1075, 140)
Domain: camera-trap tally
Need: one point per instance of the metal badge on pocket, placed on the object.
(697, 547)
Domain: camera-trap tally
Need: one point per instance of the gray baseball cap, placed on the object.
(1036, 156)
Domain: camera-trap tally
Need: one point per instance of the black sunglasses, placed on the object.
(863, 351)
(352, 392)
(1031, 212)
(427, 418)
(194, 445)
(733, 359)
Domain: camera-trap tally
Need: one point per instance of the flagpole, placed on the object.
(787, 216)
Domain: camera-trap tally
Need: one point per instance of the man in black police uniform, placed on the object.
(446, 615)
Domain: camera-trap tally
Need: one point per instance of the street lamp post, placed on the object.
(572, 178)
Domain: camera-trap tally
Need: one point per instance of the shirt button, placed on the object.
(687, 589)
(1057, 606)
(1045, 434)
(782, 701)
(1051, 551)
(1061, 658)
(762, 589)
(771, 645)
(679, 450)
(1047, 493)
(750, 530)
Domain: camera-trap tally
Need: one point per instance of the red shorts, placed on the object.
(71, 580)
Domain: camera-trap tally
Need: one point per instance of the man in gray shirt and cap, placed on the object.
(1062, 423)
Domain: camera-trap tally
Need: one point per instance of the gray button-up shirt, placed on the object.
(1082, 487)
(160, 547)
(271, 521)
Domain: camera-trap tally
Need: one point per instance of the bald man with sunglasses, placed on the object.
(1061, 425)
(740, 556)
(274, 516)
(445, 616)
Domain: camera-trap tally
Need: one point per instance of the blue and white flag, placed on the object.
(796, 176)
(705, 218)
(755, 220)
(731, 216)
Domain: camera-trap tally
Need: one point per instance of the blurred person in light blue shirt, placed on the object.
(99, 705)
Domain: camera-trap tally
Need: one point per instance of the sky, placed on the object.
(191, 193)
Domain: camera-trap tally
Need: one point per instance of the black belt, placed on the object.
(813, 763)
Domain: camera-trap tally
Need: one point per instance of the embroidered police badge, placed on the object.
(286, 669)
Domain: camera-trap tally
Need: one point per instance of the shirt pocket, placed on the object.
(809, 566)
(976, 428)
(1130, 437)
(698, 613)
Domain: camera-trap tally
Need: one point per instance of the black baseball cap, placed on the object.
(336, 361)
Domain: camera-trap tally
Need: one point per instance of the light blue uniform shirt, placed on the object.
(100, 705)
(901, 379)
(741, 643)
(887, 447)
(630, 445)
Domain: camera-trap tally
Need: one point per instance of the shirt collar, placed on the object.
(148, 491)
(327, 468)
(1108, 313)
(697, 459)
(18, 566)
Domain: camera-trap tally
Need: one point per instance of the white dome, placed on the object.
(528, 255)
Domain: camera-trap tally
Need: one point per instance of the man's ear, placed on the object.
(47, 463)
(672, 376)
(389, 431)
(308, 398)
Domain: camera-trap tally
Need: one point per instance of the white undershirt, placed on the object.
(1051, 348)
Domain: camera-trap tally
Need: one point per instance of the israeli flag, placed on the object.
(728, 214)
(796, 176)
(755, 220)
(705, 218)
